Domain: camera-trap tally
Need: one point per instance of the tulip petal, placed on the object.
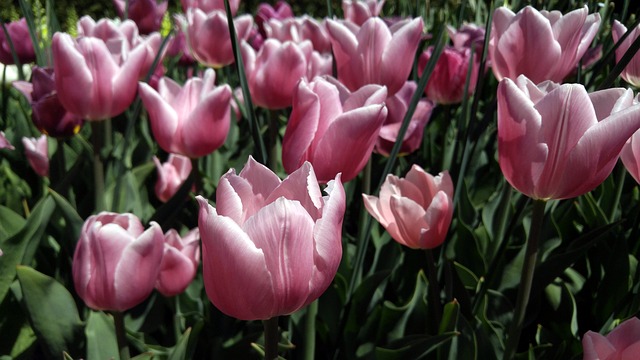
(212, 113)
(302, 186)
(302, 126)
(397, 58)
(596, 346)
(164, 119)
(176, 272)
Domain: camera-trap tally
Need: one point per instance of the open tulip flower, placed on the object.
(192, 120)
(116, 262)
(23, 46)
(324, 122)
(299, 29)
(557, 141)
(622, 343)
(147, 14)
(270, 247)
(359, 11)
(37, 152)
(541, 45)
(631, 72)
(375, 53)
(171, 175)
(282, 10)
(179, 262)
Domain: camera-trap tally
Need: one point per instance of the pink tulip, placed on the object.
(397, 106)
(116, 262)
(298, 30)
(375, 53)
(265, 12)
(447, 82)
(622, 343)
(178, 47)
(22, 45)
(631, 72)
(147, 14)
(277, 67)
(416, 210)
(557, 141)
(467, 36)
(358, 11)
(47, 113)
(270, 247)
(171, 175)
(541, 45)
(208, 6)
(630, 156)
(192, 120)
(179, 262)
(323, 124)
(37, 152)
(208, 36)
(90, 83)
(4, 143)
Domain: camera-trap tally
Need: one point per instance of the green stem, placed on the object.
(310, 331)
(434, 289)
(526, 279)
(97, 138)
(363, 233)
(271, 338)
(121, 335)
(619, 186)
(273, 140)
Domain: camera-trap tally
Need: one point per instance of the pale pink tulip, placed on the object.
(4, 143)
(116, 262)
(359, 11)
(447, 81)
(631, 72)
(375, 53)
(265, 12)
(270, 247)
(415, 210)
(397, 106)
(192, 120)
(179, 262)
(37, 152)
(22, 45)
(622, 343)
(147, 14)
(171, 175)
(299, 29)
(557, 141)
(323, 124)
(276, 68)
(541, 45)
(208, 6)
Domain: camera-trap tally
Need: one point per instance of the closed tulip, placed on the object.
(171, 175)
(270, 247)
(375, 53)
(22, 45)
(323, 124)
(282, 10)
(631, 72)
(4, 143)
(447, 82)
(147, 14)
(359, 11)
(557, 141)
(179, 262)
(116, 262)
(192, 120)
(415, 210)
(37, 152)
(541, 45)
(623, 342)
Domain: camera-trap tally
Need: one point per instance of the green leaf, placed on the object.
(179, 352)
(101, 337)
(51, 310)
(10, 222)
(74, 221)
(413, 347)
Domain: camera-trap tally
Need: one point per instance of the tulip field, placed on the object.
(355, 179)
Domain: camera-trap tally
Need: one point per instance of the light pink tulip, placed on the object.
(541, 45)
(265, 11)
(23, 46)
(631, 72)
(630, 156)
(37, 152)
(375, 53)
(299, 29)
(448, 79)
(276, 68)
(270, 247)
(116, 262)
(4, 143)
(416, 210)
(89, 82)
(208, 36)
(192, 120)
(557, 141)
(323, 124)
(179, 262)
(171, 175)
(147, 14)
(359, 11)
(397, 106)
(208, 6)
(622, 343)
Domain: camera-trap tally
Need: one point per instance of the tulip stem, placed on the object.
(273, 140)
(121, 335)
(310, 331)
(526, 279)
(271, 338)
(97, 138)
(434, 289)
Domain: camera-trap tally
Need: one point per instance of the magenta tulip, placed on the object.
(147, 14)
(116, 262)
(171, 175)
(416, 210)
(622, 343)
(276, 69)
(47, 113)
(208, 6)
(192, 120)
(541, 45)
(4, 143)
(447, 82)
(467, 36)
(375, 53)
(270, 247)
(557, 141)
(631, 72)
(298, 30)
(397, 106)
(37, 152)
(22, 45)
(359, 11)
(179, 262)
(265, 12)
(324, 122)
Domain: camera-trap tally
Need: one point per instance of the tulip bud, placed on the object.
(171, 175)
(179, 262)
(20, 39)
(37, 152)
(4, 143)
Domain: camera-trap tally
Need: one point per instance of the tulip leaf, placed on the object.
(413, 347)
(15, 247)
(51, 310)
(73, 220)
(10, 222)
(395, 319)
(179, 352)
(101, 337)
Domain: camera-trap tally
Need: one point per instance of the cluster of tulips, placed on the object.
(342, 89)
